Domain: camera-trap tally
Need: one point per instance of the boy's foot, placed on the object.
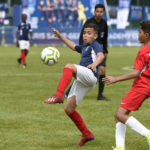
(148, 139)
(85, 139)
(118, 148)
(19, 61)
(101, 97)
(54, 99)
(24, 66)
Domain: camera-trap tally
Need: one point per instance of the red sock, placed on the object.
(23, 56)
(76, 118)
(65, 80)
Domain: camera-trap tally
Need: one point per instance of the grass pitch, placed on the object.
(26, 123)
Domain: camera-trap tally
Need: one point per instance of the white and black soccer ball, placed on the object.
(50, 55)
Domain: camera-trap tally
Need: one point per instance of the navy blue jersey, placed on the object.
(24, 29)
(89, 54)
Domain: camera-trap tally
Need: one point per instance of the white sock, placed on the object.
(120, 134)
(137, 126)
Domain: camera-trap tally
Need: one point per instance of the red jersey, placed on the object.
(141, 84)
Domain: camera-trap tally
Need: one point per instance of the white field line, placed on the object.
(28, 74)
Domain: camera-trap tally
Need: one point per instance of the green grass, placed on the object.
(26, 123)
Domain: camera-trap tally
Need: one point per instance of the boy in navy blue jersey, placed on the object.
(23, 31)
(85, 75)
(102, 39)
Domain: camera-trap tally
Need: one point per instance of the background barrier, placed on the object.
(122, 37)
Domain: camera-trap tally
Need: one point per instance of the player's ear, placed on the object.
(95, 36)
(147, 35)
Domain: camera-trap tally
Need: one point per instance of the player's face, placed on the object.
(24, 18)
(89, 35)
(99, 12)
(143, 37)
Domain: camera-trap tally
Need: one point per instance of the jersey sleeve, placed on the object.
(140, 61)
(98, 47)
(78, 48)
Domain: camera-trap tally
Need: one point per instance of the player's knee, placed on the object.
(68, 66)
(117, 115)
(68, 110)
(71, 66)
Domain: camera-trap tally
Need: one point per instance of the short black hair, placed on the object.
(24, 15)
(100, 6)
(145, 26)
(92, 25)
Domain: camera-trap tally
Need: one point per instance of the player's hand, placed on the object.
(56, 32)
(109, 80)
(92, 66)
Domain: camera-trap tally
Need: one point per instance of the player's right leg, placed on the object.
(120, 136)
(69, 71)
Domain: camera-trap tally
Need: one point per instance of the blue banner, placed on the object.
(123, 13)
(42, 36)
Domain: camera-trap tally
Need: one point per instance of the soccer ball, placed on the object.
(50, 55)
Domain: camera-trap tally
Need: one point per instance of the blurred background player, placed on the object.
(102, 39)
(23, 32)
(81, 13)
(85, 75)
(139, 92)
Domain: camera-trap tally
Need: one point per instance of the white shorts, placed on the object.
(24, 45)
(84, 82)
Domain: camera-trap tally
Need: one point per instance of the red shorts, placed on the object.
(133, 100)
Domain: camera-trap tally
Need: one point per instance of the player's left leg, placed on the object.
(76, 94)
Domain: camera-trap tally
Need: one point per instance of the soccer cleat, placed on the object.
(118, 148)
(24, 66)
(54, 99)
(101, 97)
(148, 139)
(85, 139)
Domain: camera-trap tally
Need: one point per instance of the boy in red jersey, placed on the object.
(139, 92)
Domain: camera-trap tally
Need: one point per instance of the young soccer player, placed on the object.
(139, 92)
(102, 39)
(23, 31)
(85, 75)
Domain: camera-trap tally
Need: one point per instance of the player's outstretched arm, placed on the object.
(110, 79)
(68, 42)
